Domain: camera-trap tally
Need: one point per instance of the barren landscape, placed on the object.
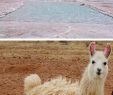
(56, 19)
(48, 60)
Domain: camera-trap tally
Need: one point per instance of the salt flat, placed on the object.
(37, 19)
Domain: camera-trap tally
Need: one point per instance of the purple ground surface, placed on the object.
(22, 29)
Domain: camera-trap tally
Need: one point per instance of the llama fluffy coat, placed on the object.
(61, 86)
(92, 82)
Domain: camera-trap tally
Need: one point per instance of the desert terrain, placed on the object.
(48, 60)
(56, 19)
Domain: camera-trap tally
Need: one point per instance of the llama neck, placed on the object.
(91, 86)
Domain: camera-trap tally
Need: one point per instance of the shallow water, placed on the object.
(57, 12)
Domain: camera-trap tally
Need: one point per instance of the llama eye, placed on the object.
(93, 62)
(105, 63)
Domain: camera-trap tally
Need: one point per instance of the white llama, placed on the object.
(92, 82)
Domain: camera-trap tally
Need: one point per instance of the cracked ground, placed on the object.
(36, 19)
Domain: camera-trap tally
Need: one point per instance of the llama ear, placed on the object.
(107, 50)
(92, 48)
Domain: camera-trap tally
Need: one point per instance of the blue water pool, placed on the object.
(57, 12)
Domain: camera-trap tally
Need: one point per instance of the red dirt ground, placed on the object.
(48, 59)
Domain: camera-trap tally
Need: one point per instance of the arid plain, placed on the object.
(48, 60)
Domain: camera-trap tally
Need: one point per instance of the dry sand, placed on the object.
(48, 59)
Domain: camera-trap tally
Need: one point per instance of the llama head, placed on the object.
(98, 67)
